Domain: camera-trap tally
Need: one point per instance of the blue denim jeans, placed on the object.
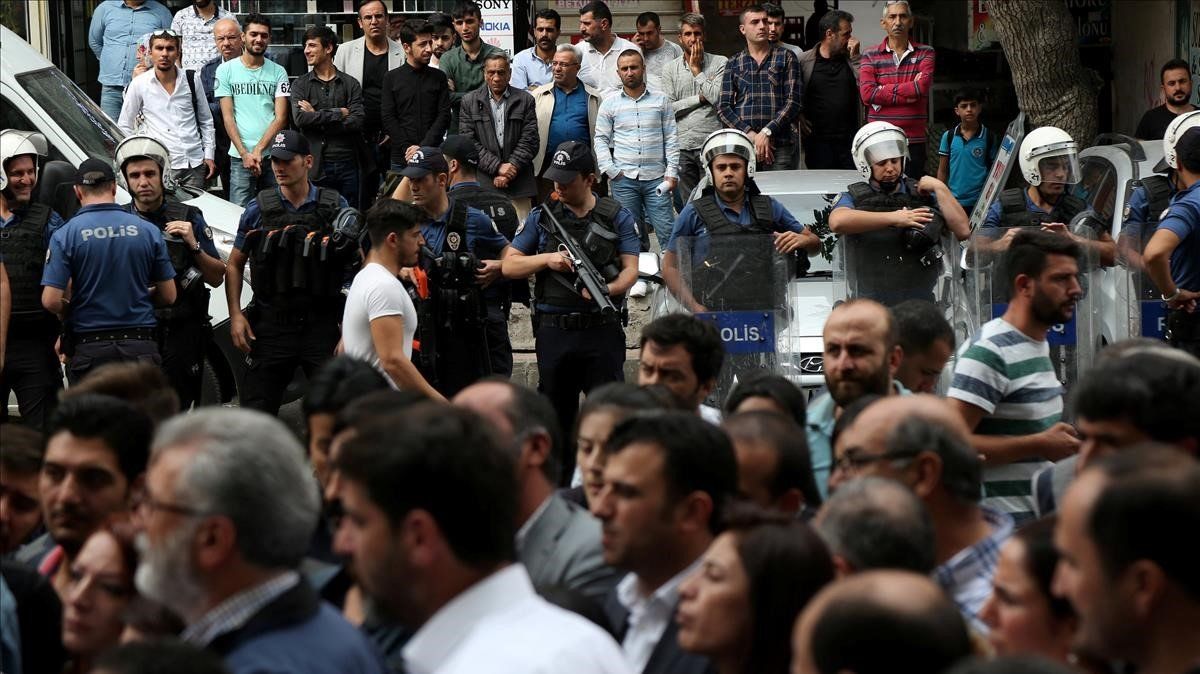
(243, 186)
(649, 208)
(111, 98)
(343, 177)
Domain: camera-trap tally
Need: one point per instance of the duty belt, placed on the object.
(133, 334)
(577, 321)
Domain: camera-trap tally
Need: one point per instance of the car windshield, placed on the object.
(80, 118)
(812, 210)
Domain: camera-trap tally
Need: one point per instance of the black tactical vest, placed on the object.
(878, 265)
(500, 209)
(736, 270)
(1158, 196)
(25, 259)
(290, 253)
(192, 293)
(552, 287)
(718, 224)
(1014, 212)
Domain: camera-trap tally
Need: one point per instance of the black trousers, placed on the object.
(828, 152)
(182, 344)
(1183, 331)
(573, 362)
(32, 371)
(282, 344)
(499, 344)
(88, 357)
(916, 160)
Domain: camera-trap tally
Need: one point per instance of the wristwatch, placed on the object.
(766, 132)
(196, 248)
(1172, 297)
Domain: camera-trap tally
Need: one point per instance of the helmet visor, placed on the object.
(733, 147)
(1060, 168)
(885, 149)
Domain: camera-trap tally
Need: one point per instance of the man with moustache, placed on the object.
(416, 98)
(601, 49)
(195, 25)
(463, 64)
(162, 103)
(693, 83)
(221, 546)
(1176, 78)
(531, 68)
(227, 35)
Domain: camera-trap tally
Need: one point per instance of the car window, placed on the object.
(1099, 186)
(76, 114)
(812, 210)
(11, 117)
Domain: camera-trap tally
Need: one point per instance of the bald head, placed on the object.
(228, 36)
(490, 400)
(867, 315)
(869, 622)
(876, 424)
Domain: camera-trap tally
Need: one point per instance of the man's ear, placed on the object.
(214, 542)
(895, 357)
(926, 472)
(694, 512)
(536, 450)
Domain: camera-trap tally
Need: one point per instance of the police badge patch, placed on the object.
(454, 240)
(1125, 212)
(208, 232)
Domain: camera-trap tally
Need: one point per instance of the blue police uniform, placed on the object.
(184, 332)
(577, 348)
(1183, 220)
(992, 221)
(112, 258)
(689, 223)
(31, 368)
(292, 330)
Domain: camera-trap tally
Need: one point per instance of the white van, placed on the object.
(37, 96)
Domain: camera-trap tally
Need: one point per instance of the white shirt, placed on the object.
(710, 414)
(149, 109)
(599, 71)
(375, 293)
(199, 46)
(501, 625)
(648, 616)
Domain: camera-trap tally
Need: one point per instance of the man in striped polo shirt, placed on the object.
(1004, 382)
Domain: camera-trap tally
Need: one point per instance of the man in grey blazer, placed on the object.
(367, 60)
(503, 124)
(557, 541)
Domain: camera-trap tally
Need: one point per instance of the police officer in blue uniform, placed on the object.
(1173, 253)
(300, 260)
(731, 205)
(464, 273)
(31, 368)
(118, 268)
(184, 332)
(578, 346)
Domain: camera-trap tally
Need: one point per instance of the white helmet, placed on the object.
(1046, 142)
(727, 141)
(1175, 130)
(876, 142)
(15, 143)
(141, 147)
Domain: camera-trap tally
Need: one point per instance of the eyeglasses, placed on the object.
(146, 502)
(557, 64)
(850, 461)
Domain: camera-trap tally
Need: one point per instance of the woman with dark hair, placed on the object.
(99, 591)
(739, 606)
(602, 410)
(1023, 616)
(767, 393)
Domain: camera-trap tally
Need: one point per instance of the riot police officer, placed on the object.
(1049, 162)
(463, 263)
(892, 228)
(31, 368)
(579, 346)
(300, 259)
(1173, 253)
(183, 328)
(118, 269)
(730, 205)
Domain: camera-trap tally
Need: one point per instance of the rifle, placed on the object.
(586, 275)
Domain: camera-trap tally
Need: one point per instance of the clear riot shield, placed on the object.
(1139, 304)
(1075, 341)
(884, 267)
(740, 284)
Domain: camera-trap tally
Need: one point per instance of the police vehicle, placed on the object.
(37, 96)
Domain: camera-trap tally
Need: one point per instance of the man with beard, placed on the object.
(225, 518)
(1005, 386)
(601, 49)
(443, 37)
(531, 68)
(95, 456)
(30, 368)
(184, 332)
(444, 564)
(463, 64)
(416, 98)
(862, 353)
(227, 35)
(683, 354)
(1176, 78)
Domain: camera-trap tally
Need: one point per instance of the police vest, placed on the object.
(1158, 198)
(456, 300)
(736, 272)
(717, 224)
(599, 227)
(25, 259)
(291, 252)
(502, 212)
(191, 292)
(1014, 211)
(877, 262)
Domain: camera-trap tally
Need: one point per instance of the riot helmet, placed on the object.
(876, 142)
(1052, 150)
(141, 147)
(727, 141)
(15, 143)
(1175, 130)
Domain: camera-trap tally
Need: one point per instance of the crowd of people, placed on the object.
(918, 513)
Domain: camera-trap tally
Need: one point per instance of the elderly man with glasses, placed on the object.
(566, 110)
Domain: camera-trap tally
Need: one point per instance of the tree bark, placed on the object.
(1041, 42)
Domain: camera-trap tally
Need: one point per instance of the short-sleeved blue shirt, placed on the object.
(252, 216)
(689, 223)
(992, 221)
(481, 232)
(1183, 220)
(199, 227)
(1139, 219)
(969, 163)
(112, 257)
(845, 200)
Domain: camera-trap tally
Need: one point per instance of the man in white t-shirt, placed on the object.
(380, 318)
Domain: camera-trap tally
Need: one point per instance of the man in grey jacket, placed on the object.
(693, 83)
(502, 122)
(557, 541)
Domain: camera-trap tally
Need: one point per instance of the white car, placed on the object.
(37, 96)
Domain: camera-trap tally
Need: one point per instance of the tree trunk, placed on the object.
(1041, 42)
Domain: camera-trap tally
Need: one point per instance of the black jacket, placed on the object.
(415, 108)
